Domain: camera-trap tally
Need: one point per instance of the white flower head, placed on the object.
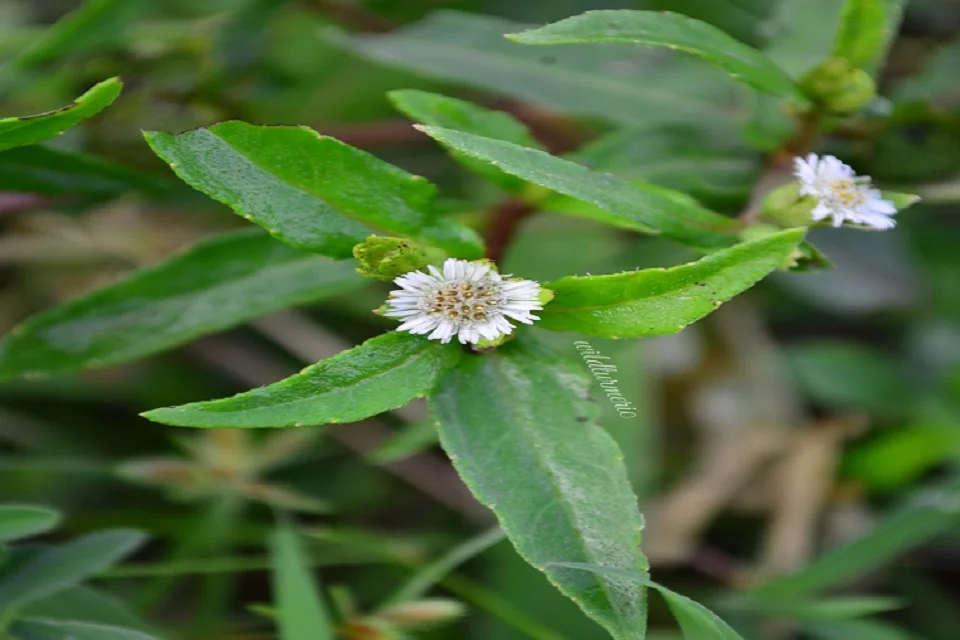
(841, 194)
(467, 299)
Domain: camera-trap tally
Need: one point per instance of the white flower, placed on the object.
(467, 299)
(841, 194)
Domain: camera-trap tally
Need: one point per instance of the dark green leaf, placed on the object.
(615, 82)
(57, 568)
(83, 604)
(926, 515)
(300, 611)
(857, 630)
(450, 113)
(51, 630)
(658, 301)
(383, 373)
(696, 621)
(653, 210)
(673, 31)
(861, 33)
(522, 432)
(51, 172)
(15, 132)
(311, 191)
(24, 520)
(217, 283)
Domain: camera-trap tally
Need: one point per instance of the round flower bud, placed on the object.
(839, 87)
(386, 258)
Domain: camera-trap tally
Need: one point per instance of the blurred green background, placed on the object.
(810, 429)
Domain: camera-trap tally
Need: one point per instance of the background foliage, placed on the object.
(796, 452)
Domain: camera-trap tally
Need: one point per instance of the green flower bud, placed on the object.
(839, 87)
(386, 258)
(786, 207)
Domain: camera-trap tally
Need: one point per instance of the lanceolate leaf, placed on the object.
(64, 630)
(383, 373)
(654, 210)
(617, 83)
(22, 520)
(861, 32)
(50, 570)
(311, 191)
(522, 432)
(450, 113)
(657, 301)
(673, 31)
(696, 621)
(300, 611)
(218, 283)
(15, 132)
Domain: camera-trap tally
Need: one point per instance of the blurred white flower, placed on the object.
(467, 299)
(841, 194)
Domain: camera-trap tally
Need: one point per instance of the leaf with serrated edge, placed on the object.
(451, 113)
(673, 31)
(658, 301)
(654, 210)
(522, 432)
(696, 621)
(218, 283)
(15, 132)
(381, 374)
(310, 191)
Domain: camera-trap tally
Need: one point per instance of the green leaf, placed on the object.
(54, 630)
(658, 301)
(24, 520)
(57, 568)
(300, 611)
(861, 33)
(522, 433)
(410, 440)
(673, 31)
(51, 172)
(616, 82)
(653, 210)
(857, 630)
(15, 132)
(450, 113)
(836, 608)
(83, 604)
(218, 283)
(95, 24)
(928, 514)
(308, 190)
(901, 200)
(381, 374)
(696, 621)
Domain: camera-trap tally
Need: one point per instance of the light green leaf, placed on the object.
(308, 190)
(658, 301)
(381, 374)
(52, 172)
(696, 621)
(522, 432)
(673, 31)
(834, 608)
(54, 569)
(300, 611)
(24, 520)
(56, 630)
(901, 200)
(857, 630)
(15, 132)
(217, 283)
(450, 113)
(616, 83)
(861, 33)
(925, 516)
(410, 440)
(654, 210)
